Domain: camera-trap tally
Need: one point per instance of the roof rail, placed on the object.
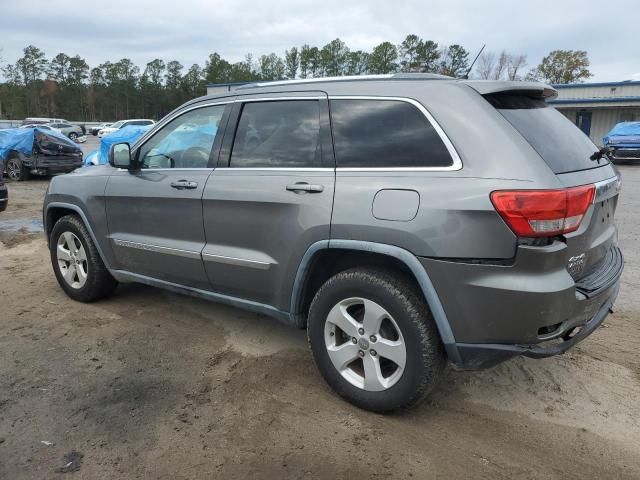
(348, 78)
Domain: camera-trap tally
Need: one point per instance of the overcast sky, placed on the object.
(188, 30)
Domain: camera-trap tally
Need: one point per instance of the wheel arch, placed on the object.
(54, 211)
(398, 258)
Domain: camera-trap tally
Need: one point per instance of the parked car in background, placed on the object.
(39, 152)
(4, 194)
(366, 210)
(73, 132)
(124, 123)
(42, 121)
(623, 142)
(48, 121)
(96, 128)
(34, 125)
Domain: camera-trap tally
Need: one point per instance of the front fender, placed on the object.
(83, 195)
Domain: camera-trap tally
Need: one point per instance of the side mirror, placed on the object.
(120, 155)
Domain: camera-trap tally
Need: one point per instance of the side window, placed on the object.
(385, 133)
(282, 134)
(185, 142)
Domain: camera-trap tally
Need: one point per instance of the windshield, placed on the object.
(562, 145)
(117, 124)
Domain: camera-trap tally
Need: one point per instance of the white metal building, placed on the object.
(596, 107)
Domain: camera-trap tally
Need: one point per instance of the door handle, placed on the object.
(305, 187)
(184, 184)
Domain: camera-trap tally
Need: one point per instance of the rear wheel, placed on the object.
(374, 340)
(77, 263)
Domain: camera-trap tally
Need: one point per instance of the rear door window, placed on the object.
(278, 134)
(369, 133)
(562, 145)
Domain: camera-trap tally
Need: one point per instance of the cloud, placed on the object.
(188, 30)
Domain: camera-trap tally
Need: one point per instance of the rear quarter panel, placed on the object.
(455, 217)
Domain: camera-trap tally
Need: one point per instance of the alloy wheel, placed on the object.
(72, 260)
(13, 170)
(365, 344)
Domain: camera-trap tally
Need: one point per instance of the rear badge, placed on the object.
(576, 264)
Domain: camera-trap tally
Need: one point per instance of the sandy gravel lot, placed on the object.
(150, 384)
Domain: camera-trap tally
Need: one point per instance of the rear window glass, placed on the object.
(385, 133)
(278, 134)
(562, 145)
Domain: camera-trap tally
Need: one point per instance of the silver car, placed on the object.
(73, 132)
(406, 221)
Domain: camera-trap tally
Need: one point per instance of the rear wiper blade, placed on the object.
(603, 152)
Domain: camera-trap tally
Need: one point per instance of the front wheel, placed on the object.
(73, 136)
(374, 340)
(16, 171)
(77, 263)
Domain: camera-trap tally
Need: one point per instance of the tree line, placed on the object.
(66, 86)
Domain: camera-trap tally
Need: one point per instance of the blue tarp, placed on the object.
(21, 140)
(625, 133)
(127, 134)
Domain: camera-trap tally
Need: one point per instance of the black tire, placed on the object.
(425, 358)
(16, 171)
(73, 136)
(99, 282)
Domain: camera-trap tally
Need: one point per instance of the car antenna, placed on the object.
(466, 75)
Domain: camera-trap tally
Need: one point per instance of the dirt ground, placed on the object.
(150, 384)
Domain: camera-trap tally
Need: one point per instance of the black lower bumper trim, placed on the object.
(604, 275)
(483, 355)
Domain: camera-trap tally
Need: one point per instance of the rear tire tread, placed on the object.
(432, 360)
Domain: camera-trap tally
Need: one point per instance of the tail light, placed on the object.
(543, 213)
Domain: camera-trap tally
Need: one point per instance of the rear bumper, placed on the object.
(532, 307)
(477, 356)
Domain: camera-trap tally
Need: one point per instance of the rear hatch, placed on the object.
(567, 151)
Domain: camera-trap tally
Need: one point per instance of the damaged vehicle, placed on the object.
(406, 221)
(37, 151)
(623, 142)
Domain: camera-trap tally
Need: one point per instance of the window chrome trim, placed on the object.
(275, 99)
(278, 169)
(243, 262)
(203, 169)
(157, 248)
(455, 157)
(606, 189)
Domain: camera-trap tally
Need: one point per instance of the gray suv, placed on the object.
(405, 221)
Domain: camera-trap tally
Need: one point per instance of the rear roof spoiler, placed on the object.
(485, 87)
